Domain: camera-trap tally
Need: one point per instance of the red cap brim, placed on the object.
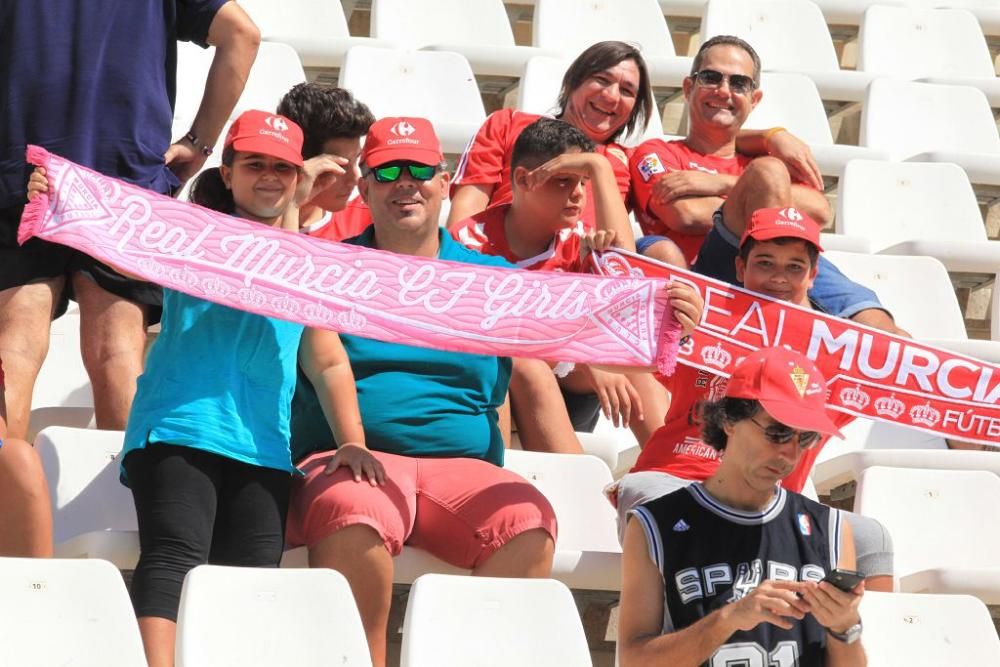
(267, 147)
(798, 417)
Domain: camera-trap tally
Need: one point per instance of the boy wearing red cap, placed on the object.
(729, 570)
(777, 256)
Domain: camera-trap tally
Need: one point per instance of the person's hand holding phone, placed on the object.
(834, 601)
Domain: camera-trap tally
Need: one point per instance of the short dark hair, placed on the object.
(751, 243)
(545, 139)
(727, 40)
(716, 414)
(324, 112)
(599, 57)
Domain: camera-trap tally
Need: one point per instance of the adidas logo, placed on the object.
(681, 526)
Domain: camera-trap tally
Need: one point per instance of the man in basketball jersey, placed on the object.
(728, 572)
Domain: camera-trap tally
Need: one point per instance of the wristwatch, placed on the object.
(849, 636)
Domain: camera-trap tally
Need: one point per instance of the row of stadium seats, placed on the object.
(93, 514)
(78, 612)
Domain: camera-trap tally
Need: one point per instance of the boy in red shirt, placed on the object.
(541, 228)
(778, 256)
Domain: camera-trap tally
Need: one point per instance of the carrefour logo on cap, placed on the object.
(276, 123)
(403, 130)
(790, 217)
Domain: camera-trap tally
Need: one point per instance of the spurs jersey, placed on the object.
(711, 554)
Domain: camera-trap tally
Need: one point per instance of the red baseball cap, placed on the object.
(392, 139)
(788, 385)
(268, 134)
(772, 223)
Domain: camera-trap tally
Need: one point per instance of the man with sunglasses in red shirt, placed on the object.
(685, 189)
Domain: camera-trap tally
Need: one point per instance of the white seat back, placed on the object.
(574, 485)
(82, 466)
(570, 27)
(66, 612)
(453, 621)
(416, 24)
(437, 85)
(260, 617)
(275, 70)
(935, 517)
(300, 19)
(892, 202)
(916, 290)
(905, 118)
(912, 42)
(927, 630)
(792, 101)
(538, 93)
(788, 35)
(63, 380)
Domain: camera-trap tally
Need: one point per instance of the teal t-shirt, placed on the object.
(415, 401)
(220, 380)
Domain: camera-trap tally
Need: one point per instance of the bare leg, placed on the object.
(26, 522)
(527, 555)
(359, 553)
(112, 339)
(764, 184)
(539, 410)
(25, 319)
(158, 638)
(668, 252)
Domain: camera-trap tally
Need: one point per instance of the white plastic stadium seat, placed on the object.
(275, 70)
(792, 101)
(941, 124)
(63, 381)
(987, 12)
(66, 612)
(538, 93)
(258, 617)
(588, 555)
(437, 85)
(789, 36)
(943, 527)
(927, 630)
(921, 208)
(456, 621)
(916, 208)
(835, 12)
(935, 45)
(478, 29)
(316, 29)
(569, 27)
(93, 515)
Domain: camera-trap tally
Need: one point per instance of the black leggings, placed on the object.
(195, 507)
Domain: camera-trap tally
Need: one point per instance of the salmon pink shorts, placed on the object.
(461, 510)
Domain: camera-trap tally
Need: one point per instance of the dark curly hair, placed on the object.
(716, 414)
(324, 112)
(599, 57)
(545, 139)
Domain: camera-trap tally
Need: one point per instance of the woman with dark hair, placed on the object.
(605, 94)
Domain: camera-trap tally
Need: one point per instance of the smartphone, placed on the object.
(845, 580)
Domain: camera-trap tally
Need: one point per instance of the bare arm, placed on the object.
(785, 146)
(467, 201)
(685, 200)
(325, 362)
(236, 39)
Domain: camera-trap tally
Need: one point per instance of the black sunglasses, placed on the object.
(779, 434)
(388, 173)
(741, 84)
